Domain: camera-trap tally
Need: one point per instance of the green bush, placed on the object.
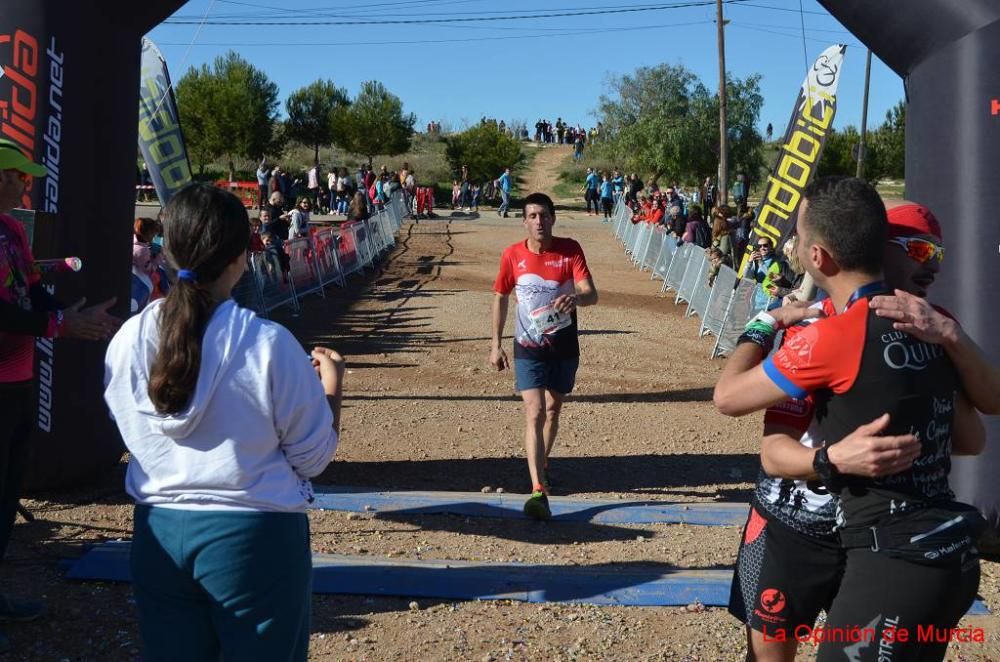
(485, 150)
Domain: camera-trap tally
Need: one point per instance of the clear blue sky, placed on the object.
(523, 69)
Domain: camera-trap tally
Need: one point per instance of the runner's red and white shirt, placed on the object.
(537, 279)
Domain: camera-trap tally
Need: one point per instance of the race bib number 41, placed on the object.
(547, 320)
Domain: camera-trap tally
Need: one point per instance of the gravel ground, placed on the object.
(424, 411)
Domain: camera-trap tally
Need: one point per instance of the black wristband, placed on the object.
(764, 340)
(826, 470)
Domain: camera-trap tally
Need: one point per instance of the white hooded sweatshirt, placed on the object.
(257, 428)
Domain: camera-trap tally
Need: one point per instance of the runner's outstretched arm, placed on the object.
(744, 387)
(980, 377)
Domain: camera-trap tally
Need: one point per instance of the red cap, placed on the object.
(911, 219)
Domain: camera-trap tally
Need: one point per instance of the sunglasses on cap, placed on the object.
(921, 250)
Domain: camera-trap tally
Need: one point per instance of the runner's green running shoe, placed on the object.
(537, 506)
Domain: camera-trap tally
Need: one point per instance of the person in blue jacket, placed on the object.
(504, 184)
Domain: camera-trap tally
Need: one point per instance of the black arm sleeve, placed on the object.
(15, 320)
(42, 300)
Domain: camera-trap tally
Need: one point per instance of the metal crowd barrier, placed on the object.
(247, 293)
(638, 239)
(303, 267)
(718, 302)
(347, 250)
(701, 290)
(724, 307)
(619, 219)
(678, 267)
(327, 256)
(737, 314)
(630, 234)
(663, 261)
(273, 284)
(653, 248)
(695, 266)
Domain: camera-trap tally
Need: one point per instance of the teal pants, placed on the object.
(222, 585)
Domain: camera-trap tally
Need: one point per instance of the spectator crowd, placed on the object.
(694, 216)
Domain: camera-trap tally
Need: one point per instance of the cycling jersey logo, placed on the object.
(902, 355)
(793, 407)
(772, 600)
(797, 352)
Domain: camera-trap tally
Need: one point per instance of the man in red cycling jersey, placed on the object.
(910, 555)
(790, 560)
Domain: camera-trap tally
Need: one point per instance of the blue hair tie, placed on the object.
(187, 274)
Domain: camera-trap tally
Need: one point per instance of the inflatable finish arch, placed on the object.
(948, 54)
(69, 98)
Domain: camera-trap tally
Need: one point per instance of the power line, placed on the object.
(791, 27)
(614, 10)
(794, 35)
(322, 12)
(335, 12)
(815, 13)
(441, 41)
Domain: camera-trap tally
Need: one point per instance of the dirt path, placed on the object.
(544, 171)
(423, 411)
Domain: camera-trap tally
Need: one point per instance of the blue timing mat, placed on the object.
(613, 584)
(632, 584)
(508, 506)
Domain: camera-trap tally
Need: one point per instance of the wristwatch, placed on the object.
(825, 469)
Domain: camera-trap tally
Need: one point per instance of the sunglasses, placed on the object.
(920, 250)
(768, 246)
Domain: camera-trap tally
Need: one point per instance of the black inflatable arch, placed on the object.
(69, 97)
(948, 54)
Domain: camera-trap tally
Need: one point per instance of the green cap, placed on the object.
(11, 158)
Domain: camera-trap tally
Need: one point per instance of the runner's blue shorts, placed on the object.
(558, 375)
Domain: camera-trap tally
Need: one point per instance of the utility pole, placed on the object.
(864, 118)
(723, 127)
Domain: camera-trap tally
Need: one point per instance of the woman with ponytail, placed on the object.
(226, 423)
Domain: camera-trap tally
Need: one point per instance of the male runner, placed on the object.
(550, 278)
(790, 559)
(910, 555)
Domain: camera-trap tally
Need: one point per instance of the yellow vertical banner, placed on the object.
(801, 149)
